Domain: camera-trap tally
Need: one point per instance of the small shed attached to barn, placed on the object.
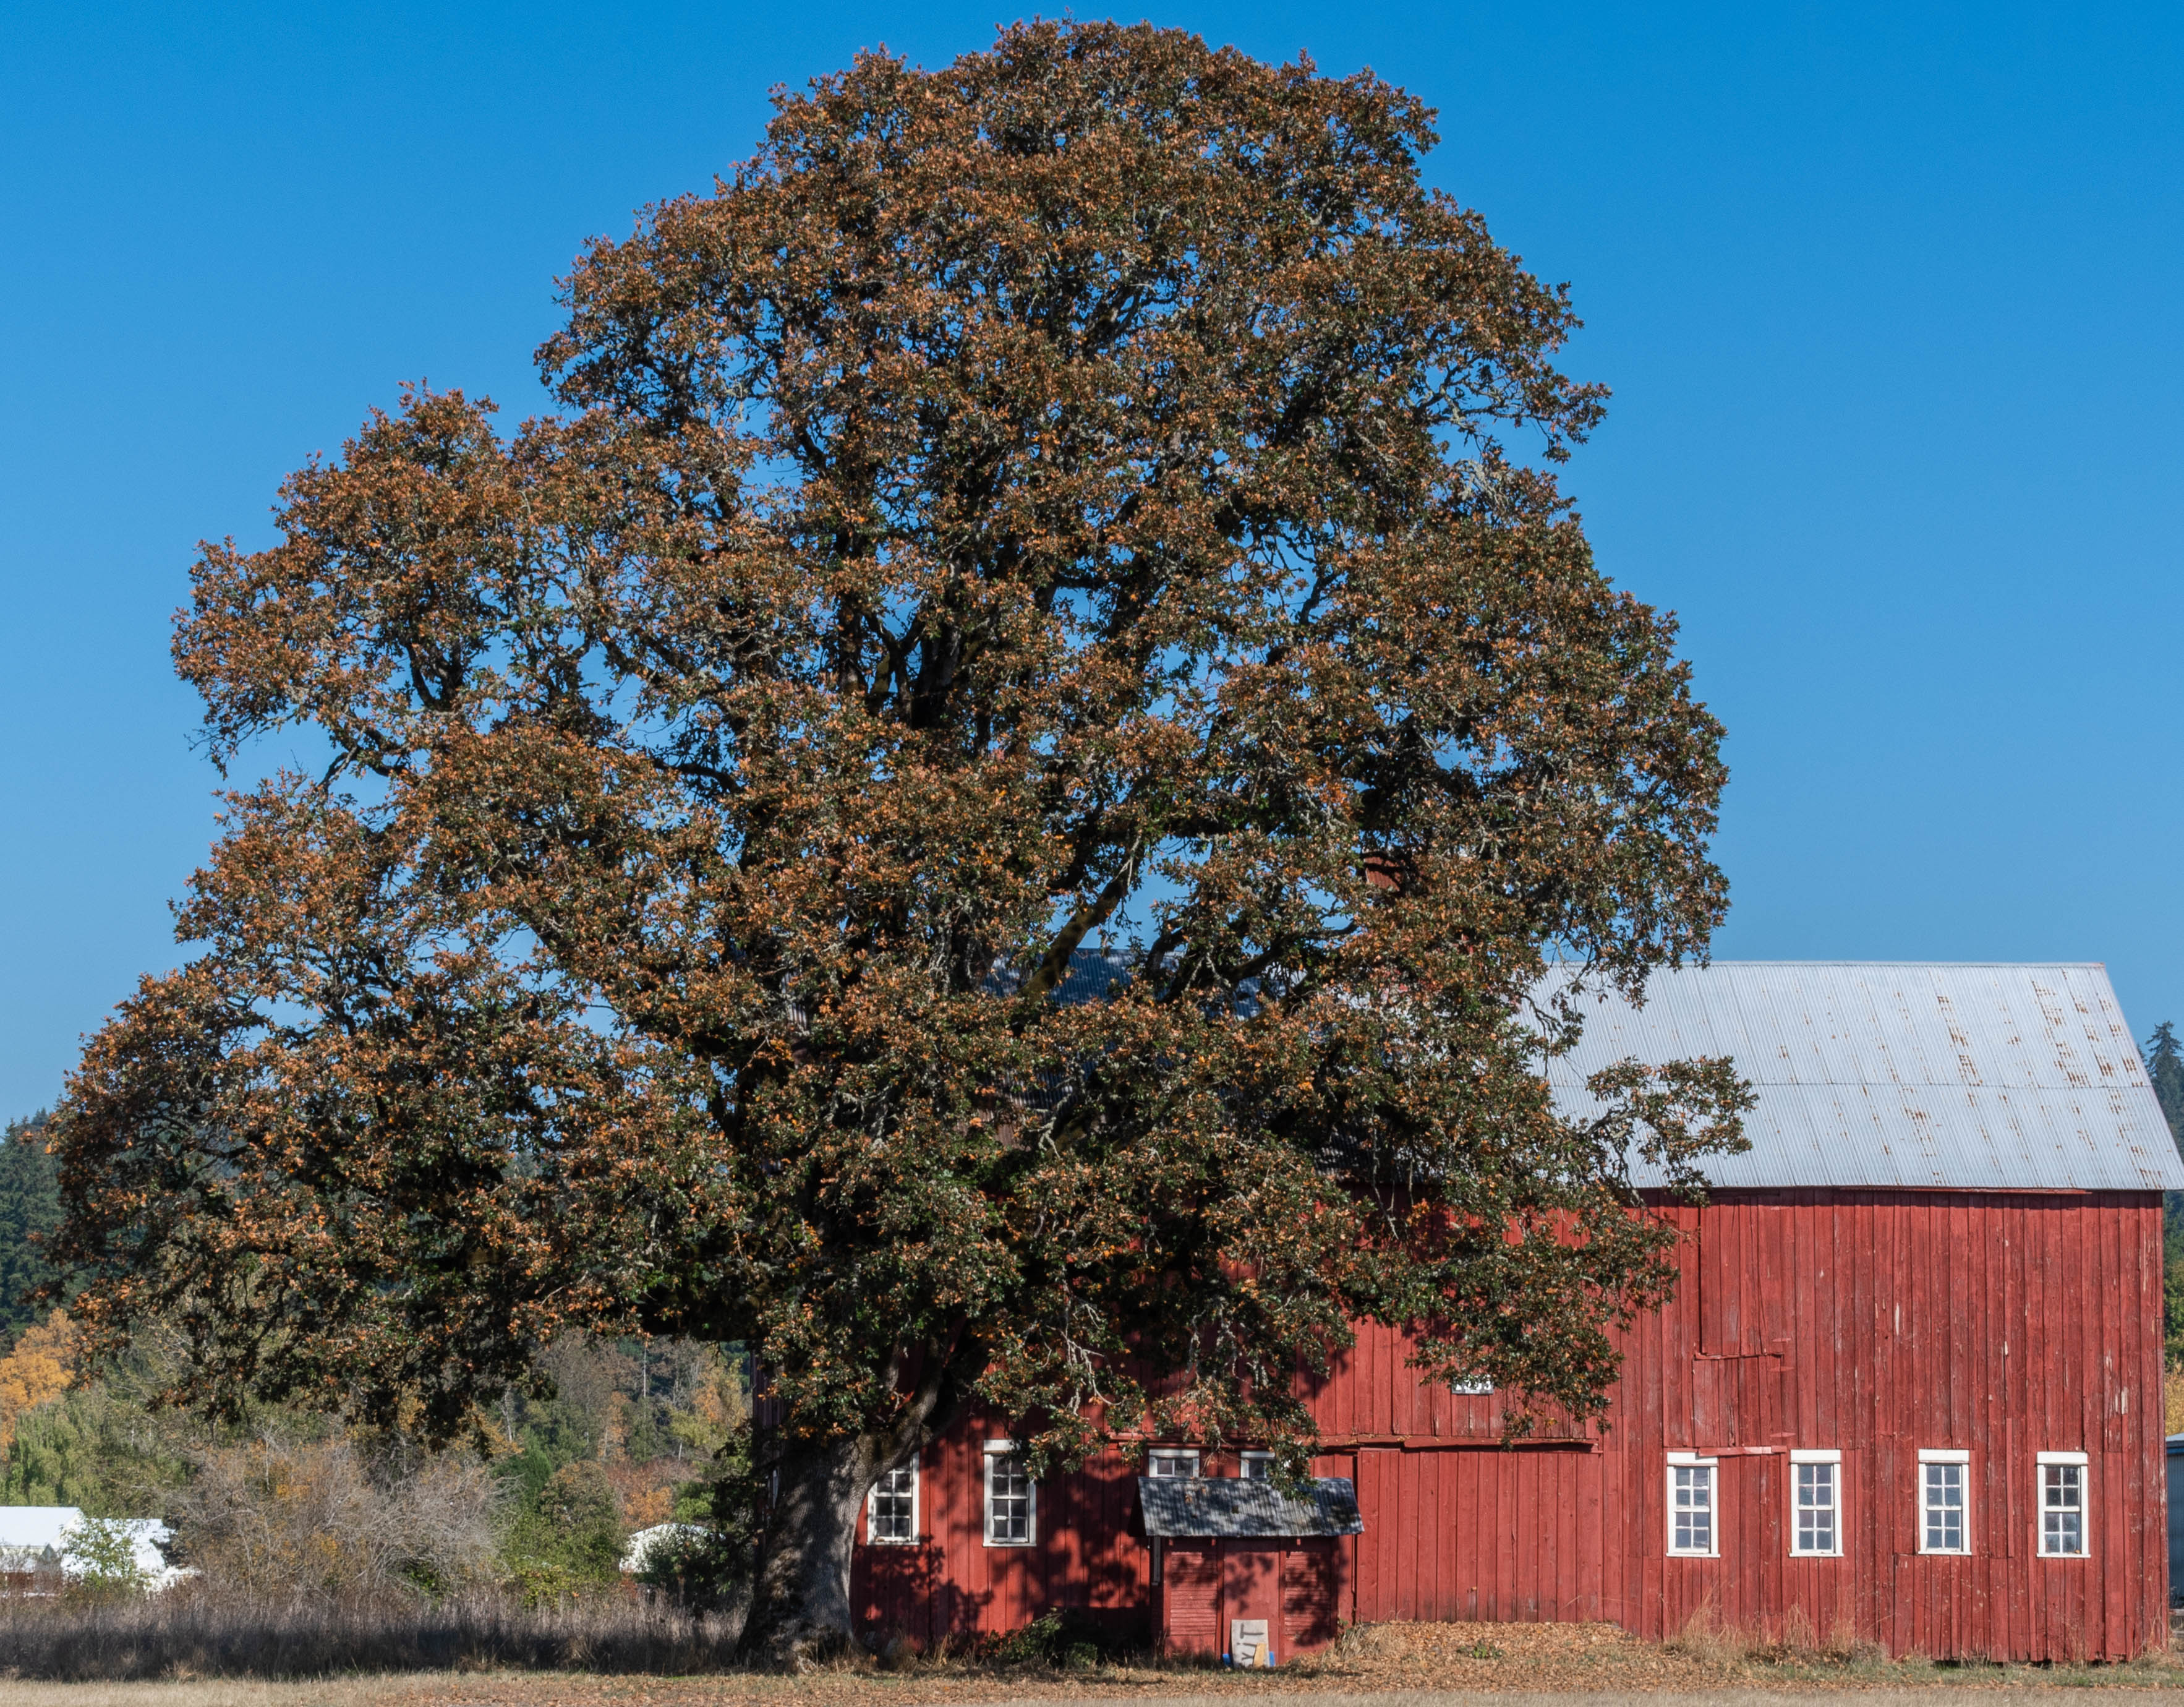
(1242, 1570)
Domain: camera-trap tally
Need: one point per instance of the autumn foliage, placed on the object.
(39, 1367)
(1092, 496)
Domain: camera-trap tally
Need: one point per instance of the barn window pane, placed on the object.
(2062, 1509)
(895, 1507)
(1171, 1463)
(1944, 1507)
(1258, 1466)
(1691, 1508)
(1008, 1501)
(1816, 1508)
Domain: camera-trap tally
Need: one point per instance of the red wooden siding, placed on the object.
(1089, 1553)
(1874, 1323)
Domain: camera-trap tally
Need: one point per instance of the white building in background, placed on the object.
(38, 1540)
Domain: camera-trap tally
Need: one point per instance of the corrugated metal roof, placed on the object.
(1090, 975)
(1245, 1507)
(1901, 1073)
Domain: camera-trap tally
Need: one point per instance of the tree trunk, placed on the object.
(799, 1609)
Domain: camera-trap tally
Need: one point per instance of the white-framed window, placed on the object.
(1945, 1513)
(1472, 1386)
(2063, 1504)
(891, 1507)
(1172, 1461)
(1258, 1466)
(1693, 1531)
(1815, 1503)
(1011, 1501)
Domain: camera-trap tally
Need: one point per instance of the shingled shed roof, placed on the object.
(1902, 1074)
(1247, 1507)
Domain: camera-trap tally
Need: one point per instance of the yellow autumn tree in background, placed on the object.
(39, 1369)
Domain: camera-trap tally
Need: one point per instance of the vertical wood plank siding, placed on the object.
(1874, 1323)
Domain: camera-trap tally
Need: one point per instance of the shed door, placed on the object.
(1190, 1598)
(1311, 1596)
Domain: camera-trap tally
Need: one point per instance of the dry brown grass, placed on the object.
(1383, 1666)
(183, 1634)
(1371, 1642)
(359, 1692)
(1709, 1641)
(2172, 1401)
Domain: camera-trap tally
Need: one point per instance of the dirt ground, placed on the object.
(1387, 1665)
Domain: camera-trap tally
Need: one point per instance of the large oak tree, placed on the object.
(1091, 496)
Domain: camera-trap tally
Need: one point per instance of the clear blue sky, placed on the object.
(1888, 296)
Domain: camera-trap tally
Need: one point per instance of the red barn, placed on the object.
(1909, 1386)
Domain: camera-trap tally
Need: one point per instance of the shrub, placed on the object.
(569, 1539)
(103, 1551)
(281, 1522)
(1061, 1637)
(704, 1568)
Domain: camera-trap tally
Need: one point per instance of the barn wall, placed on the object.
(1090, 1554)
(1876, 1323)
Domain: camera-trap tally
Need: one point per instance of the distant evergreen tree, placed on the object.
(30, 1203)
(2164, 1066)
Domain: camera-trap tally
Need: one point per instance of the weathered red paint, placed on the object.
(1874, 1322)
